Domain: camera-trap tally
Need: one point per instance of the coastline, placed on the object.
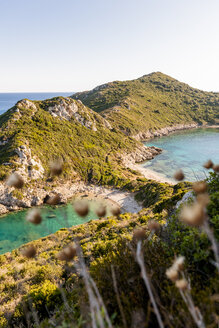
(68, 191)
(145, 136)
(153, 175)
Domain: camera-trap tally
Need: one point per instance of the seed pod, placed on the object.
(172, 274)
(29, 251)
(56, 167)
(34, 216)
(153, 225)
(54, 200)
(179, 263)
(216, 168)
(193, 215)
(115, 210)
(81, 208)
(139, 234)
(179, 175)
(209, 164)
(15, 180)
(101, 211)
(67, 254)
(200, 187)
(203, 199)
(182, 284)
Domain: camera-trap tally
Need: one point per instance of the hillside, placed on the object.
(43, 291)
(33, 133)
(150, 103)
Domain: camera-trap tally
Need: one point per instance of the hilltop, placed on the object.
(143, 106)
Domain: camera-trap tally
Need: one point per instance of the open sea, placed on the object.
(8, 100)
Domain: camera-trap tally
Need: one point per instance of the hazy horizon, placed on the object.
(48, 46)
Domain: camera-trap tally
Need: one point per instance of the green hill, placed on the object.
(33, 133)
(151, 102)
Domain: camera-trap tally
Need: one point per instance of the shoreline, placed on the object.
(68, 191)
(149, 135)
(153, 175)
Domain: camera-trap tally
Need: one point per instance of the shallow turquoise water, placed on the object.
(15, 230)
(187, 150)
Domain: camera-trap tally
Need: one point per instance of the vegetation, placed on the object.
(62, 279)
(151, 102)
(108, 243)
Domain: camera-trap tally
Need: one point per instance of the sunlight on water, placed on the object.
(187, 150)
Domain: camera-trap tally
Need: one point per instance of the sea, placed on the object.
(8, 100)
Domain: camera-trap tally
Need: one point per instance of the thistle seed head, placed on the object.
(115, 210)
(139, 234)
(15, 180)
(208, 165)
(203, 199)
(179, 175)
(54, 200)
(34, 216)
(81, 208)
(153, 225)
(181, 284)
(193, 215)
(29, 251)
(67, 254)
(56, 167)
(179, 263)
(101, 211)
(200, 187)
(172, 274)
(216, 168)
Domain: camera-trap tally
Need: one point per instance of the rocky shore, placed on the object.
(143, 136)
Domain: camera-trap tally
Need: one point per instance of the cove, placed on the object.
(187, 150)
(16, 231)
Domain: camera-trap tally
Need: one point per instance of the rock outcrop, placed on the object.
(141, 136)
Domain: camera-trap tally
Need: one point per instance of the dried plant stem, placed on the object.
(194, 311)
(118, 297)
(214, 243)
(95, 300)
(140, 261)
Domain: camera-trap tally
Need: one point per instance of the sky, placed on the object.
(75, 45)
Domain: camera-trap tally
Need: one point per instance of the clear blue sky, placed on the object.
(72, 45)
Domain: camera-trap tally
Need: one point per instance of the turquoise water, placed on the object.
(187, 150)
(15, 230)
